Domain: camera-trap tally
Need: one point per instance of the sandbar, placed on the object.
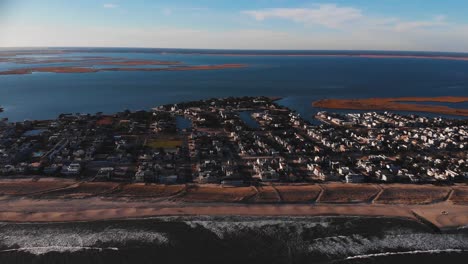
(50, 70)
(138, 62)
(89, 61)
(64, 69)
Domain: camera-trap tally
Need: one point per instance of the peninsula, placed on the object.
(397, 104)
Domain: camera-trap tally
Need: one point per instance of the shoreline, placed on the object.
(367, 56)
(276, 53)
(429, 215)
(201, 217)
(396, 104)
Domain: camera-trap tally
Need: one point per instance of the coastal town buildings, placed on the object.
(237, 141)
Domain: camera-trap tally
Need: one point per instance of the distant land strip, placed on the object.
(395, 104)
(376, 55)
(139, 62)
(63, 69)
(90, 61)
(369, 56)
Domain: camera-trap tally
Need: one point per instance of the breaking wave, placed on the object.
(43, 250)
(415, 252)
(359, 245)
(323, 236)
(225, 227)
(44, 239)
(280, 239)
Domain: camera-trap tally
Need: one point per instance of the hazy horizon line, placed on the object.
(227, 49)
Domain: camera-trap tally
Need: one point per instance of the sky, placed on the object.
(424, 25)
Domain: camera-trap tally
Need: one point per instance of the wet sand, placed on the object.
(396, 104)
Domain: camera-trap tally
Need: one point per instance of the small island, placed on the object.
(397, 104)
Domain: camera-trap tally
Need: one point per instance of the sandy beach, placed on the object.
(27, 200)
(444, 215)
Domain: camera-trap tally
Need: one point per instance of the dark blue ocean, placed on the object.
(236, 240)
(298, 79)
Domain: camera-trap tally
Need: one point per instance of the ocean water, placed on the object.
(232, 240)
(298, 79)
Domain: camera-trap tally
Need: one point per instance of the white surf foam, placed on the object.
(47, 239)
(414, 252)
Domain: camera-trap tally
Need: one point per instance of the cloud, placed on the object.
(454, 39)
(357, 30)
(343, 17)
(167, 11)
(172, 10)
(412, 25)
(328, 15)
(198, 8)
(110, 6)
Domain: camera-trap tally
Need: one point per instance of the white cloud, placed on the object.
(356, 31)
(110, 6)
(167, 11)
(198, 8)
(454, 39)
(328, 15)
(412, 25)
(343, 17)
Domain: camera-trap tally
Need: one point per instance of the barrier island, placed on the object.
(398, 104)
